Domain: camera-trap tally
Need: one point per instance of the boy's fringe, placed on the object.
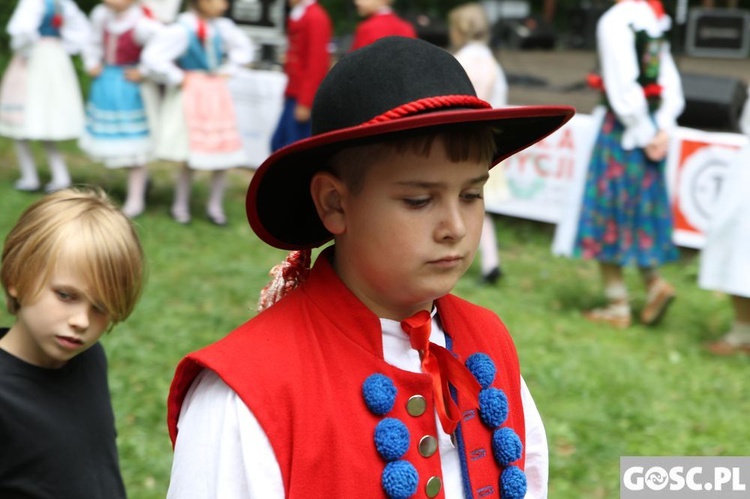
(286, 276)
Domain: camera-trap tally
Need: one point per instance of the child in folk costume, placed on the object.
(306, 63)
(340, 386)
(725, 257)
(379, 21)
(197, 126)
(469, 34)
(121, 110)
(72, 268)
(40, 98)
(626, 217)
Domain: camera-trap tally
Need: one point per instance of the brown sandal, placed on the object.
(614, 314)
(660, 295)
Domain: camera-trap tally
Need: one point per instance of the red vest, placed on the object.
(301, 368)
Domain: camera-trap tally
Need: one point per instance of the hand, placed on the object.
(132, 74)
(95, 71)
(656, 150)
(301, 113)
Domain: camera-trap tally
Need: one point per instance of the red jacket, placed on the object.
(307, 56)
(381, 25)
(301, 367)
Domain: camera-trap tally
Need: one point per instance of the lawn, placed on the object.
(602, 393)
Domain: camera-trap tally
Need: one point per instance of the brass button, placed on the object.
(416, 405)
(427, 445)
(434, 484)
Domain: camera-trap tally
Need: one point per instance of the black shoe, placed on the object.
(492, 276)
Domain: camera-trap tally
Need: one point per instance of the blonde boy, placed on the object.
(72, 267)
(369, 379)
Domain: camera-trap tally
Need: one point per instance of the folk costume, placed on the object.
(383, 23)
(626, 217)
(40, 98)
(307, 61)
(120, 114)
(193, 57)
(317, 396)
(58, 429)
(197, 124)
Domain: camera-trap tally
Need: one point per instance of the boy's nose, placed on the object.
(452, 225)
(79, 319)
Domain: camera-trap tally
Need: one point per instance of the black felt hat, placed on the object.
(393, 86)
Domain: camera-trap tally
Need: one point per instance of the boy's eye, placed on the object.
(64, 295)
(416, 202)
(471, 196)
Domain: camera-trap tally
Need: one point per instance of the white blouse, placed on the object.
(222, 451)
(620, 70)
(485, 73)
(169, 44)
(23, 26)
(104, 19)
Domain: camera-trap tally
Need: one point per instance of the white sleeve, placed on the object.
(239, 47)
(93, 53)
(673, 98)
(537, 452)
(146, 29)
(76, 28)
(159, 55)
(620, 71)
(221, 450)
(23, 26)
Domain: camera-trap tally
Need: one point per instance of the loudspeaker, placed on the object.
(718, 33)
(712, 102)
(582, 26)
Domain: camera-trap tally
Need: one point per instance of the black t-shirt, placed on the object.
(57, 430)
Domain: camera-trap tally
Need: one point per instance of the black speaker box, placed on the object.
(712, 102)
(718, 33)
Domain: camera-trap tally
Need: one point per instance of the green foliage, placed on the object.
(603, 393)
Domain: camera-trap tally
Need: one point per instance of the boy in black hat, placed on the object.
(364, 376)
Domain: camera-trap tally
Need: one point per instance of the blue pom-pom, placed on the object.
(482, 367)
(391, 439)
(379, 393)
(506, 446)
(513, 483)
(493, 407)
(400, 479)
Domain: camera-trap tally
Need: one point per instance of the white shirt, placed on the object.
(222, 451)
(23, 26)
(161, 52)
(104, 19)
(620, 70)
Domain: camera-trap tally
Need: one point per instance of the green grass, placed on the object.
(602, 393)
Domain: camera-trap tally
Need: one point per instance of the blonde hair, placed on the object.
(77, 227)
(468, 22)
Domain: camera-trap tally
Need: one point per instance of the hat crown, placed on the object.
(382, 76)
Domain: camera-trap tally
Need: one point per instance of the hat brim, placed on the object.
(278, 203)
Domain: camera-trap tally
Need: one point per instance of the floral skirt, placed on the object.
(626, 216)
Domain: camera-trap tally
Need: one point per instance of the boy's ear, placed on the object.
(12, 291)
(327, 191)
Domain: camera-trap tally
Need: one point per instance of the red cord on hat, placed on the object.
(428, 104)
(286, 276)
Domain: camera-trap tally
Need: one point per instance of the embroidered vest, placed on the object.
(52, 20)
(121, 50)
(344, 423)
(200, 56)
